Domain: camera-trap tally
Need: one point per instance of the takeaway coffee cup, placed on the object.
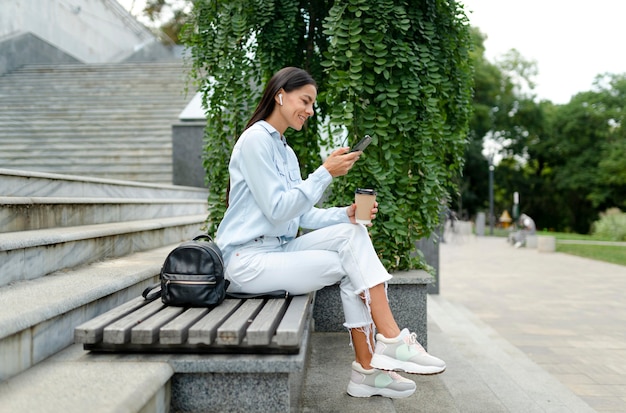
(365, 200)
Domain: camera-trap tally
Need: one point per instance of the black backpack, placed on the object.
(192, 275)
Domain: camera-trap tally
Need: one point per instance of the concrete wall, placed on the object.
(26, 48)
(91, 31)
(188, 145)
(430, 248)
(187, 149)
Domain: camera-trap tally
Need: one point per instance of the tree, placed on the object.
(169, 16)
(399, 71)
(473, 187)
(584, 153)
(610, 187)
(505, 119)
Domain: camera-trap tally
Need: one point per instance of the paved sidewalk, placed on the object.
(566, 314)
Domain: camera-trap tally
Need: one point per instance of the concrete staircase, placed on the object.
(109, 120)
(72, 248)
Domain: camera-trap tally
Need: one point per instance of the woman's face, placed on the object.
(297, 106)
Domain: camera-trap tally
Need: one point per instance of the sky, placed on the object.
(571, 41)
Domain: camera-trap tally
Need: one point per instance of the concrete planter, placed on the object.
(546, 243)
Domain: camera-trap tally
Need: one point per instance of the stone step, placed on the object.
(141, 69)
(114, 71)
(36, 184)
(83, 75)
(103, 161)
(79, 82)
(38, 317)
(113, 88)
(27, 255)
(145, 175)
(132, 139)
(68, 97)
(86, 149)
(70, 384)
(137, 114)
(91, 133)
(158, 155)
(32, 213)
(73, 101)
(143, 115)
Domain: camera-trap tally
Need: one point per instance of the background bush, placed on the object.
(611, 225)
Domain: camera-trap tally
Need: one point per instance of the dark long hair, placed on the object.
(288, 79)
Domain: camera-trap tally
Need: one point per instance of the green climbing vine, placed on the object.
(396, 70)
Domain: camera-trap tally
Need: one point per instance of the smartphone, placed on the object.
(362, 144)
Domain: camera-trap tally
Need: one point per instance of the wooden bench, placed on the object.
(219, 356)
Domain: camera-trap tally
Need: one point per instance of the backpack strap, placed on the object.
(147, 295)
(203, 237)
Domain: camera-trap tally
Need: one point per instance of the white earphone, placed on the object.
(280, 99)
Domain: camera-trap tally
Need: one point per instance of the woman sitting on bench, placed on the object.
(269, 202)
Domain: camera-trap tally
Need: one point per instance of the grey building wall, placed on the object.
(27, 48)
(91, 31)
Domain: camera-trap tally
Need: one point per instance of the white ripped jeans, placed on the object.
(339, 253)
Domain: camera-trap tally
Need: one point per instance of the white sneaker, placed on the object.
(374, 382)
(404, 353)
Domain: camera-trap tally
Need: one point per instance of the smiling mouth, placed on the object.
(302, 117)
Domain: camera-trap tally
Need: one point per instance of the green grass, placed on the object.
(606, 253)
(566, 236)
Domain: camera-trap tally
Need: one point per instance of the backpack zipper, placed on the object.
(168, 282)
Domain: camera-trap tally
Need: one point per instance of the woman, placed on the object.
(269, 202)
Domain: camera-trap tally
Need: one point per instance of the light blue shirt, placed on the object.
(267, 194)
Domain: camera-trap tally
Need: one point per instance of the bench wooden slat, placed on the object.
(236, 326)
(233, 330)
(91, 331)
(205, 330)
(177, 330)
(148, 331)
(262, 329)
(119, 331)
(289, 331)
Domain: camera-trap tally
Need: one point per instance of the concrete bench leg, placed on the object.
(222, 392)
(238, 382)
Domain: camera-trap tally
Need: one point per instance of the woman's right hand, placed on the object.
(340, 161)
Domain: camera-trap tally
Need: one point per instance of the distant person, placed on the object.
(452, 218)
(527, 227)
(449, 217)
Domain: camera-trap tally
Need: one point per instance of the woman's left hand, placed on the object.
(351, 210)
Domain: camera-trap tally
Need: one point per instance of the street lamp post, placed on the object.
(491, 213)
